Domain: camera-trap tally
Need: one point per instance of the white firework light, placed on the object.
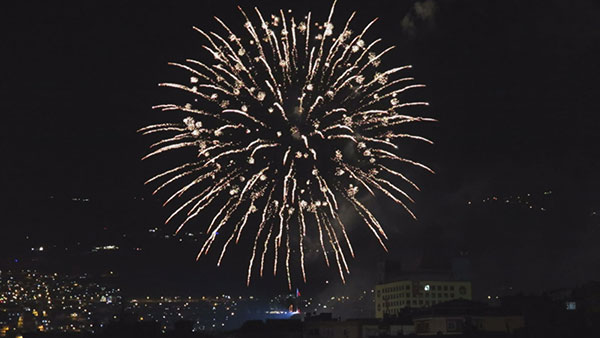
(291, 119)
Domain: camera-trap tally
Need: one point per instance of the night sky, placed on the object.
(514, 85)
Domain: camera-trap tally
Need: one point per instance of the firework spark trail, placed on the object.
(254, 179)
(287, 245)
(321, 238)
(302, 233)
(343, 228)
(193, 199)
(235, 232)
(290, 117)
(332, 242)
(265, 250)
(260, 229)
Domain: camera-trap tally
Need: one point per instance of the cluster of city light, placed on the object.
(362, 300)
(41, 302)
(527, 200)
(208, 313)
(55, 302)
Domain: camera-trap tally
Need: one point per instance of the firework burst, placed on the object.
(290, 120)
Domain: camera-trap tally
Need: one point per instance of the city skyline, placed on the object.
(512, 85)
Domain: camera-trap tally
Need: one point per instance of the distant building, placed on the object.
(461, 324)
(459, 317)
(391, 298)
(324, 325)
(439, 278)
(284, 328)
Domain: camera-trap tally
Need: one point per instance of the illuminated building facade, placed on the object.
(391, 297)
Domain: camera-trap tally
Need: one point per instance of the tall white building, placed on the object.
(391, 297)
